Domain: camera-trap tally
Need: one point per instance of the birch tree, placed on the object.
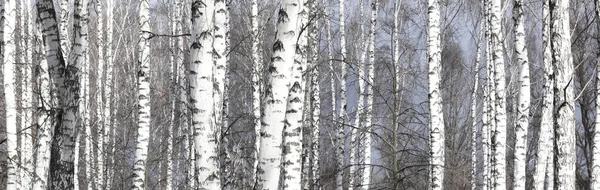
(292, 132)
(108, 93)
(544, 157)
(143, 101)
(26, 97)
(257, 69)
(45, 118)
(66, 82)
(524, 98)
(474, 115)
(102, 131)
(8, 54)
(221, 46)
(174, 65)
(201, 95)
(564, 95)
(81, 55)
(499, 132)
(436, 119)
(64, 27)
(595, 170)
(354, 137)
(276, 92)
(343, 108)
(367, 130)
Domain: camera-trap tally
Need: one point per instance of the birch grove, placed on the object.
(299, 94)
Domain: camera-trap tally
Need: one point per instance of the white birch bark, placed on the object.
(354, 136)
(175, 64)
(65, 81)
(524, 98)
(436, 137)
(368, 128)
(81, 57)
(45, 119)
(26, 97)
(108, 94)
(489, 121)
(201, 96)
(292, 132)
(9, 52)
(564, 97)
(221, 43)
(343, 108)
(474, 115)
(143, 101)
(279, 78)
(499, 132)
(64, 27)
(544, 157)
(595, 170)
(257, 68)
(102, 131)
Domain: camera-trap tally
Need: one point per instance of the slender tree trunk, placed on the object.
(490, 122)
(398, 83)
(9, 18)
(64, 27)
(292, 132)
(202, 92)
(175, 64)
(257, 69)
(436, 136)
(499, 132)
(268, 171)
(84, 90)
(26, 97)
(108, 96)
(474, 115)
(221, 60)
(368, 128)
(102, 131)
(524, 98)
(143, 92)
(343, 108)
(564, 96)
(354, 136)
(544, 157)
(45, 118)
(595, 170)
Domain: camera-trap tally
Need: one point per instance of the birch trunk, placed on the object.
(343, 108)
(45, 118)
(524, 98)
(474, 115)
(398, 83)
(102, 131)
(221, 60)
(354, 136)
(108, 95)
(81, 57)
(368, 128)
(257, 69)
(9, 18)
(499, 132)
(564, 96)
(175, 64)
(143, 101)
(64, 27)
(544, 157)
(436, 136)
(595, 170)
(221, 46)
(276, 91)
(26, 97)
(490, 122)
(201, 97)
(292, 132)
(66, 82)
